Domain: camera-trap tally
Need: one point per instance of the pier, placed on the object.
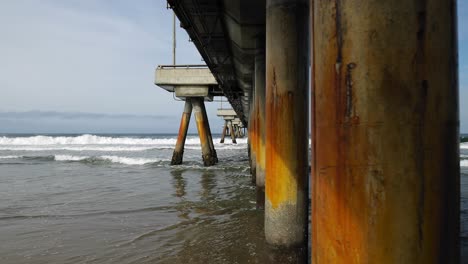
(380, 80)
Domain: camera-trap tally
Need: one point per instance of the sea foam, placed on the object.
(98, 140)
(113, 159)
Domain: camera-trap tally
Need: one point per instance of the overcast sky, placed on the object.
(88, 66)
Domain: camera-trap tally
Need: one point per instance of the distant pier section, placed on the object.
(194, 84)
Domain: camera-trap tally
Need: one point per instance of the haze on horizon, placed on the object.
(88, 67)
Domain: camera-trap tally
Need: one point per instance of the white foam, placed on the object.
(69, 158)
(10, 157)
(464, 145)
(130, 161)
(464, 163)
(98, 140)
(113, 159)
(78, 148)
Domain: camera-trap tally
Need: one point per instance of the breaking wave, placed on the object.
(464, 163)
(89, 159)
(99, 140)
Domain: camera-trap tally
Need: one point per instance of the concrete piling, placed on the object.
(253, 138)
(233, 136)
(178, 154)
(260, 119)
(208, 130)
(385, 158)
(286, 125)
(223, 134)
(200, 118)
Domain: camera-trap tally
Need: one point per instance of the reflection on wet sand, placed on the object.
(225, 225)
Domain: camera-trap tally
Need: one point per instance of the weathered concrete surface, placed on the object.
(286, 107)
(178, 154)
(385, 166)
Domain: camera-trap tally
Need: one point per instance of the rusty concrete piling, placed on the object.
(385, 161)
(253, 138)
(200, 118)
(286, 164)
(208, 133)
(178, 154)
(260, 117)
(233, 136)
(223, 134)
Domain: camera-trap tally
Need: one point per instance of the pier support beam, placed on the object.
(208, 130)
(223, 134)
(260, 118)
(184, 124)
(286, 147)
(385, 166)
(233, 136)
(203, 127)
(253, 138)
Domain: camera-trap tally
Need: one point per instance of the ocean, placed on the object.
(116, 199)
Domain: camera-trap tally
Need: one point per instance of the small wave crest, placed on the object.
(88, 139)
(10, 157)
(111, 159)
(89, 159)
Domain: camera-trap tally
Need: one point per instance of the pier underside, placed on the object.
(383, 85)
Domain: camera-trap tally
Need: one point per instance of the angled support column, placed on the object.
(178, 155)
(223, 134)
(286, 185)
(233, 136)
(200, 118)
(210, 137)
(260, 109)
(385, 167)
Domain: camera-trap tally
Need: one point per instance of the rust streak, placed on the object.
(349, 88)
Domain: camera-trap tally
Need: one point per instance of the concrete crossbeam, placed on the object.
(169, 78)
(226, 112)
(187, 81)
(191, 91)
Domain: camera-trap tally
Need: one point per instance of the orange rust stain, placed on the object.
(260, 153)
(183, 126)
(184, 122)
(379, 190)
(201, 129)
(285, 164)
(253, 141)
(255, 131)
(339, 190)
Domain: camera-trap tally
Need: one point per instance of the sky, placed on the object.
(87, 66)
